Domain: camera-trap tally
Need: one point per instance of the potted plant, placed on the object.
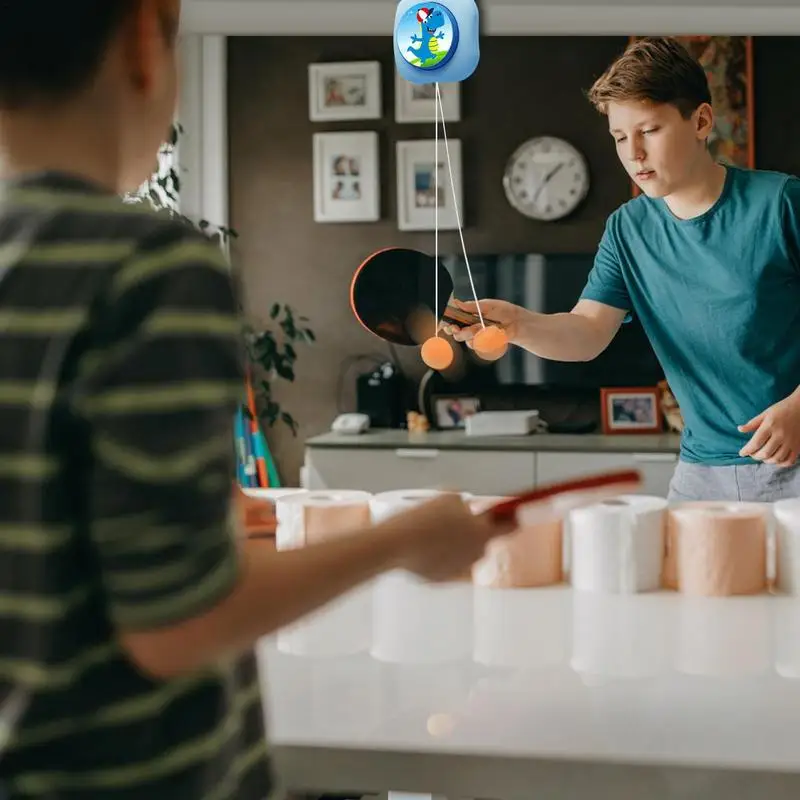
(273, 350)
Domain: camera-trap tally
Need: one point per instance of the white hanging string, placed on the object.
(436, 206)
(440, 109)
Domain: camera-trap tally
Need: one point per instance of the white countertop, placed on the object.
(390, 684)
(388, 438)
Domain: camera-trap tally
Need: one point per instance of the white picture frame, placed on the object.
(416, 102)
(346, 176)
(344, 90)
(416, 209)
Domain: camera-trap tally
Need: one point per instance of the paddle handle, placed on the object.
(464, 319)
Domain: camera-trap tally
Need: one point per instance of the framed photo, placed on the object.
(417, 186)
(450, 412)
(346, 177)
(631, 410)
(416, 102)
(728, 64)
(344, 90)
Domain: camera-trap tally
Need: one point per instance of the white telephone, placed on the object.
(350, 423)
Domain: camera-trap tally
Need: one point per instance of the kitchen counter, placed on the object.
(540, 693)
(539, 442)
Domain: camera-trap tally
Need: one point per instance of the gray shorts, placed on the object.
(759, 483)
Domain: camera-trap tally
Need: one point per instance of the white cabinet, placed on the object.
(388, 466)
(491, 472)
(656, 468)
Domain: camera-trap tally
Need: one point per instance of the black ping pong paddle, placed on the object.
(392, 295)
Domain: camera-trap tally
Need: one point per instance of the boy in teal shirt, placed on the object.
(708, 258)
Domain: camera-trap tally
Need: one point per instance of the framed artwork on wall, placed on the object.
(416, 102)
(346, 177)
(728, 63)
(344, 91)
(418, 162)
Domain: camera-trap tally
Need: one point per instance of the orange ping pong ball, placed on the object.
(490, 343)
(437, 353)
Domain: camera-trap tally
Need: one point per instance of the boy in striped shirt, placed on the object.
(128, 611)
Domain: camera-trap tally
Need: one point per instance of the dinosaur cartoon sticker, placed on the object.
(430, 33)
(428, 37)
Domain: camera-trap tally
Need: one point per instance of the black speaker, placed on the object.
(380, 395)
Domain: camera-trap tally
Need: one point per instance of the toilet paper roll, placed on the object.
(313, 516)
(386, 504)
(530, 556)
(270, 496)
(717, 549)
(617, 545)
(786, 515)
(252, 510)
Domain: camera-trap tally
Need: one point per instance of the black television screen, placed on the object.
(552, 283)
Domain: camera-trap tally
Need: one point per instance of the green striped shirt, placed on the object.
(119, 374)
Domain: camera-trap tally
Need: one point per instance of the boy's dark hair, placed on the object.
(51, 49)
(656, 69)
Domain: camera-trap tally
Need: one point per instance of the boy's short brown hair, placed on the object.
(51, 49)
(655, 69)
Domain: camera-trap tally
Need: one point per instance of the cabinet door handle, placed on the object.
(415, 452)
(655, 458)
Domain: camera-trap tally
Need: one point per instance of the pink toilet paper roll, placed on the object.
(717, 549)
(530, 556)
(314, 516)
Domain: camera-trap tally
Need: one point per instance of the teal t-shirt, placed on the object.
(718, 296)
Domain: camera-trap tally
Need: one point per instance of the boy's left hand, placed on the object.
(777, 433)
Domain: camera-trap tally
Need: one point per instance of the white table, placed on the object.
(542, 693)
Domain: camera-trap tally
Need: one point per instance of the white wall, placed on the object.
(202, 111)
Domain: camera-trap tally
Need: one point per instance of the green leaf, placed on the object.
(310, 334)
(284, 370)
(289, 420)
(275, 310)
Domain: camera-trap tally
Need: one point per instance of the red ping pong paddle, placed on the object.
(392, 295)
(572, 493)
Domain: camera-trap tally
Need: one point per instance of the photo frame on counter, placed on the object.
(417, 185)
(635, 409)
(346, 177)
(347, 90)
(451, 411)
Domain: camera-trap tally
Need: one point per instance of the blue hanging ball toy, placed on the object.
(436, 42)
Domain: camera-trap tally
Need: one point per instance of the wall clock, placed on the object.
(546, 178)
